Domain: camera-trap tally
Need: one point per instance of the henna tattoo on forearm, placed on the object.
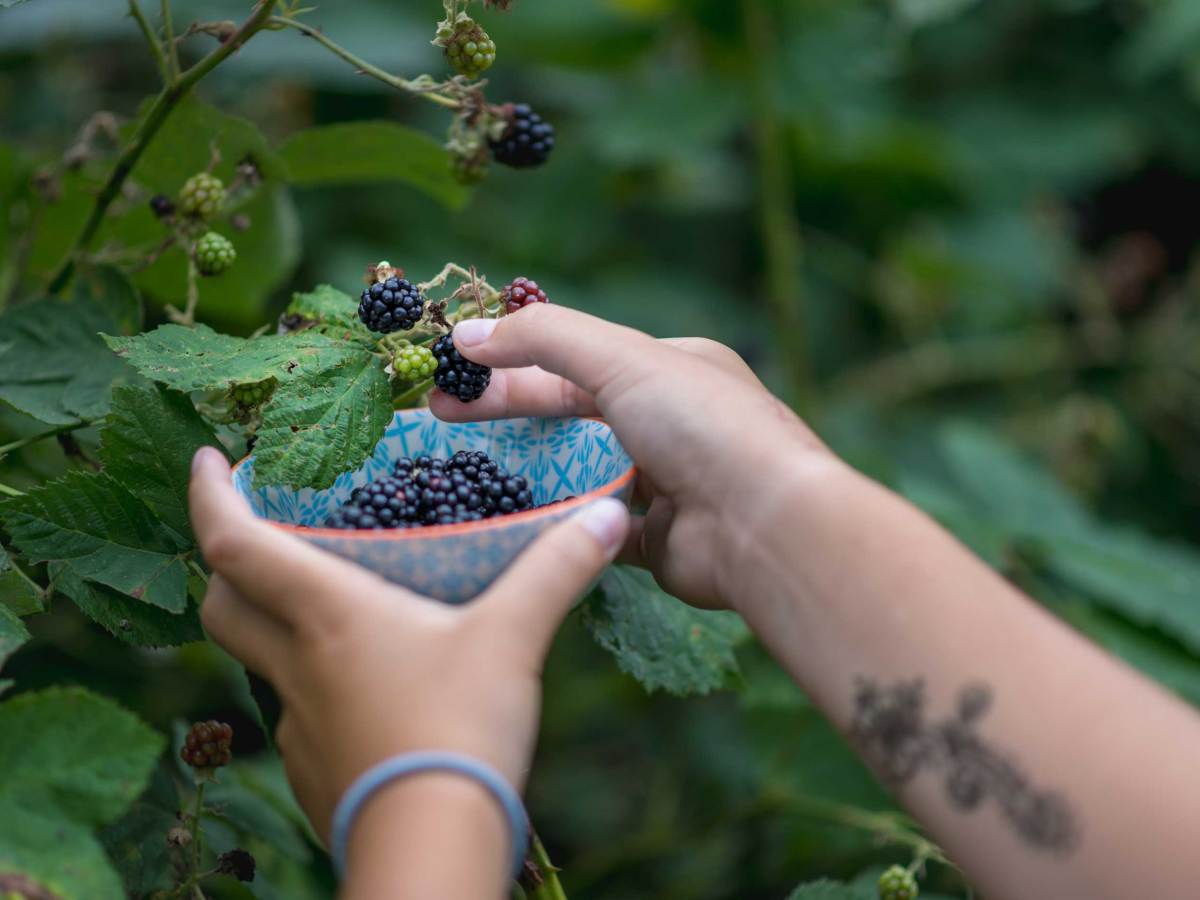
(891, 731)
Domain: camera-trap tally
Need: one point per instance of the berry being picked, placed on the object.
(162, 206)
(897, 883)
(469, 50)
(519, 293)
(391, 305)
(526, 142)
(457, 376)
(202, 196)
(214, 254)
(254, 394)
(207, 746)
(470, 486)
(237, 862)
(414, 363)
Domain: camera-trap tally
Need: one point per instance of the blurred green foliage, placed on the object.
(958, 234)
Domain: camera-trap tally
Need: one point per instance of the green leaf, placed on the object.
(105, 534)
(110, 289)
(12, 633)
(17, 593)
(659, 640)
(357, 152)
(331, 312)
(53, 364)
(191, 359)
(72, 761)
(830, 890)
(148, 443)
(323, 422)
(130, 621)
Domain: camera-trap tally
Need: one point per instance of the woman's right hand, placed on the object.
(713, 447)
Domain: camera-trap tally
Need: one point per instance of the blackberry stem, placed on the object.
(196, 833)
(410, 86)
(550, 888)
(164, 104)
(152, 42)
(169, 41)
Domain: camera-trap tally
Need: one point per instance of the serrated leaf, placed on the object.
(331, 312)
(72, 761)
(323, 422)
(148, 443)
(660, 641)
(105, 534)
(17, 593)
(829, 890)
(191, 359)
(53, 365)
(13, 633)
(364, 152)
(126, 619)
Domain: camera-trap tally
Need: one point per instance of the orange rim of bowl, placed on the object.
(430, 532)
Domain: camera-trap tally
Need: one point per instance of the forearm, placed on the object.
(431, 837)
(1079, 778)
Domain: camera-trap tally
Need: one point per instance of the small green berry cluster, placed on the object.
(214, 253)
(897, 883)
(202, 197)
(253, 395)
(468, 48)
(413, 363)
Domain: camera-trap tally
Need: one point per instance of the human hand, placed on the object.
(713, 447)
(366, 669)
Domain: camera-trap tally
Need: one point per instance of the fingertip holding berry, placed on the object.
(391, 305)
(521, 292)
(456, 375)
(897, 883)
(214, 254)
(526, 141)
(202, 196)
(208, 746)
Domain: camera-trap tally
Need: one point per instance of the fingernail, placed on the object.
(607, 521)
(201, 455)
(470, 332)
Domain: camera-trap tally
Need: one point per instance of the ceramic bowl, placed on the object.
(560, 458)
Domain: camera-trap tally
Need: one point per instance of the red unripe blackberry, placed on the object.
(208, 746)
(457, 376)
(519, 293)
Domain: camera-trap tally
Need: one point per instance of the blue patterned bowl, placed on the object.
(560, 458)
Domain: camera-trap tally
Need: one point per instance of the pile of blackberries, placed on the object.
(470, 486)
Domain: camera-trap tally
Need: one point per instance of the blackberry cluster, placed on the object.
(457, 375)
(237, 862)
(468, 48)
(208, 746)
(897, 883)
(214, 254)
(202, 196)
(519, 293)
(414, 363)
(254, 394)
(391, 305)
(467, 487)
(526, 142)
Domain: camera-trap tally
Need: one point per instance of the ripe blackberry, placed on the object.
(457, 376)
(255, 394)
(519, 293)
(391, 305)
(414, 363)
(162, 206)
(207, 746)
(237, 862)
(202, 196)
(897, 883)
(527, 141)
(214, 254)
(469, 50)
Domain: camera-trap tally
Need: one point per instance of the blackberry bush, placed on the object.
(457, 376)
(202, 196)
(214, 254)
(391, 305)
(526, 141)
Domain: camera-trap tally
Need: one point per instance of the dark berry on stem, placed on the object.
(391, 305)
(519, 293)
(526, 142)
(238, 863)
(162, 206)
(456, 375)
(208, 746)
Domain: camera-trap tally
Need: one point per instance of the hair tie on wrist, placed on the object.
(382, 774)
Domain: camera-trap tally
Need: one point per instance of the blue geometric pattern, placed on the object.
(559, 457)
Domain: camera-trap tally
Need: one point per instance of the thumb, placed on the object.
(537, 591)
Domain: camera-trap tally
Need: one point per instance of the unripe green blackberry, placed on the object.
(414, 363)
(469, 170)
(202, 196)
(214, 254)
(897, 883)
(207, 746)
(468, 48)
(254, 394)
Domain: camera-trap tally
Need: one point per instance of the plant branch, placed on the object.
(410, 86)
(169, 40)
(151, 40)
(550, 888)
(164, 104)
(8, 448)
